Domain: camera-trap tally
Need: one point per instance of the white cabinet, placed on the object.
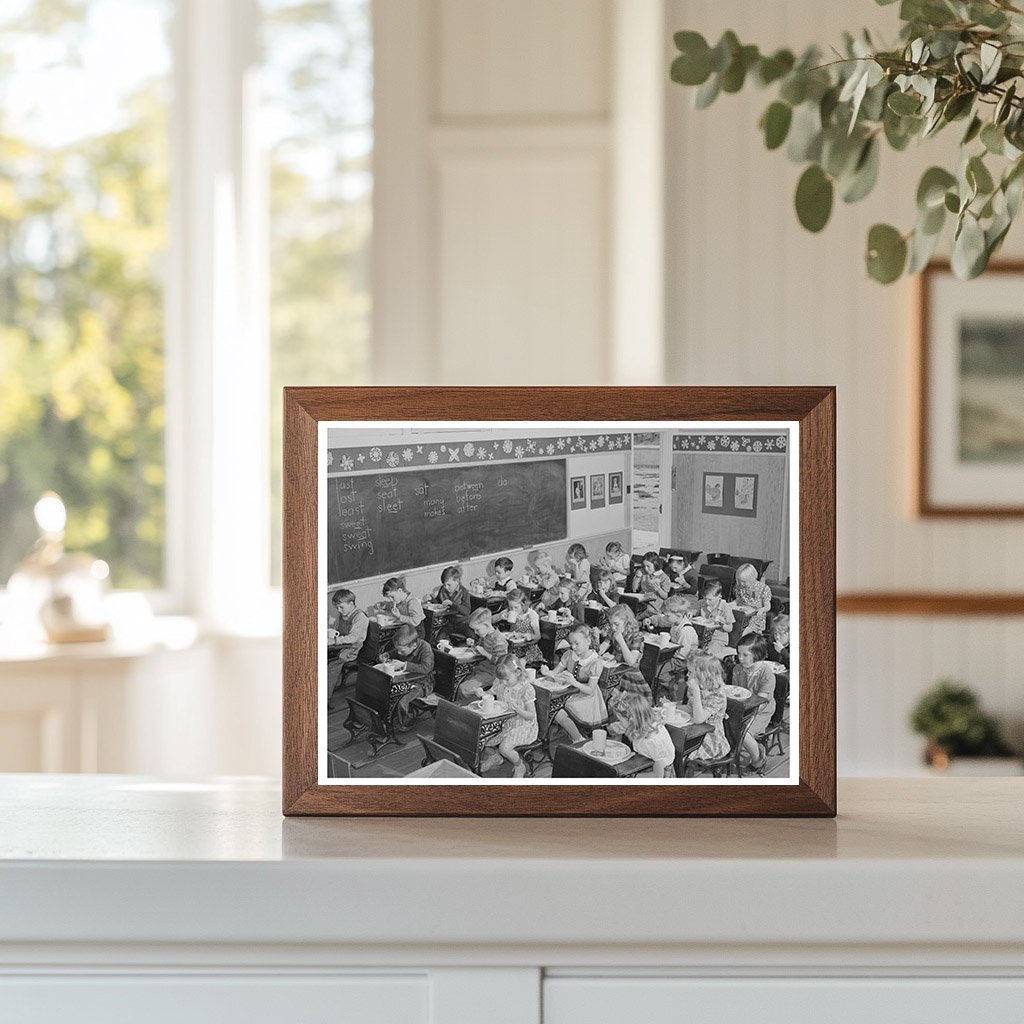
(202, 999)
(126, 899)
(828, 1000)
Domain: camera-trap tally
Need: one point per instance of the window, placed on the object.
(83, 236)
(317, 122)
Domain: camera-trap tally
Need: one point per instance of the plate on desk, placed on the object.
(435, 608)
(463, 653)
(736, 692)
(777, 667)
(518, 638)
(497, 708)
(614, 751)
(393, 668)
(672, 714)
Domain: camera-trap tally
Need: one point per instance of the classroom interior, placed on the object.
(689, 507)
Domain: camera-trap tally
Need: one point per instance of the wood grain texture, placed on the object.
(924, 506)
(813, 407)
(925, 603)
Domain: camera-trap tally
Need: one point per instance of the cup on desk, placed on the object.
(663, 639)
(600, 738)
(444, 645)
(487, 702)
(531, 675)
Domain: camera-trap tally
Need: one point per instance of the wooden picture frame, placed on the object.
(811, 413)
(942, 488)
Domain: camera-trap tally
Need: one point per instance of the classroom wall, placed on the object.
(758, 536)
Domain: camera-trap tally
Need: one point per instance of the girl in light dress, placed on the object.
(625, 642)
(750, 592)
(512, 688)
(616, 561)
(650, 579)
(580, 666)
(637, 720)
(754, 672)
(706, 702)
(577, 565)
(523, 619)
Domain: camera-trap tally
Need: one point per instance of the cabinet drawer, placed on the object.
(574, 1000)
(205, 999)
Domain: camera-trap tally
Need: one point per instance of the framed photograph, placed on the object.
(579, 493)
(970, 445)
(614, 488)
(714, 490)
(429, 653)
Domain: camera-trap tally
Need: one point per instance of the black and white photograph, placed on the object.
(480, 624)
(614, 488)
(579, 492)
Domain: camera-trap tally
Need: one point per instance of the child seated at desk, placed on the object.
(750, 592)
(779, 648)
(581, 667)
(418, 658)
(503, 581)
(676, 618)
(492, 645)
(348, 633)
(754, 672)
(400, 604)
(561, 597)
(521, 618)
(605, 593)
(706, 702)
(650, 580)
(577, 565)
(513, 689)
(453, 595)
(638, 722)
(543, 573)
(681, 574)
(714, 610)
(616, 561)
(625, 642)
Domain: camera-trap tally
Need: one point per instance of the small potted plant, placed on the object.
(950, 717)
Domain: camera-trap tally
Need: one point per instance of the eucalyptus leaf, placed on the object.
(707, 93)
(865, 174)
(968, 247)
(886, 253)
(724, 51)
(993, 138)
(814, 195)
(952, 202)
(973, 129)
(978, 176)
(931, 190)
(805, 133)
(771, 69)
(775, 124)
(922, 247)
(904, 103)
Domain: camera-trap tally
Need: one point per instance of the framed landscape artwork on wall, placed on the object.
(464, 636)
(970, 445)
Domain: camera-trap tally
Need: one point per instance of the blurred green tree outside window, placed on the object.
(317, 122)
(83, 236)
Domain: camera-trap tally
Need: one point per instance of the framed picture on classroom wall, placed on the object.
(457, 637)
(970, 444)
(614, 488)
(579, 493)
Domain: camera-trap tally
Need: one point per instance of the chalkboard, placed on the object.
(390, 522)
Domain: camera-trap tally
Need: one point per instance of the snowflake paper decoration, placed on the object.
(506, 446)
(407, 455)
(520, 451)
(561, 443)
(346, 463)
(432, 456)
(780, 442)
(330, 458)
(375, 454)
(468, 448)
(392, 459)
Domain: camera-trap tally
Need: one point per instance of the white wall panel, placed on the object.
(753, 298)
(523, 281)
(527, 58)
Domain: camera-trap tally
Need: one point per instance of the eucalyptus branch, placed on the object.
(834, 116)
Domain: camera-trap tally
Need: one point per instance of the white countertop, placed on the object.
(120, 859)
